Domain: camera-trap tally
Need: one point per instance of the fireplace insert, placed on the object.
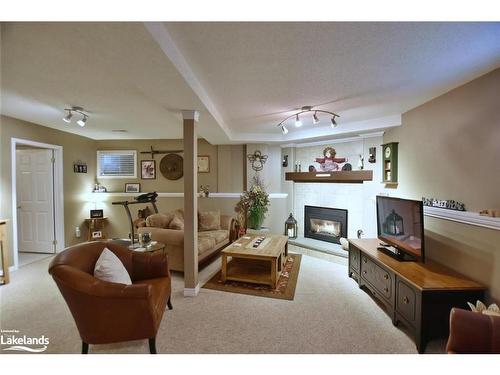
(325, 224)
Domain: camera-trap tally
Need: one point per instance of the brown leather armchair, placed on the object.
(107, 312)
(472, 332)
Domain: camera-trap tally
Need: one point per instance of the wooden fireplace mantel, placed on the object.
(332, 177)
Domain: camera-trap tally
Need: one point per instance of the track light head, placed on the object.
(334, 123)
(82, 121)
(298, 123)
(315, 118)
(67, 118)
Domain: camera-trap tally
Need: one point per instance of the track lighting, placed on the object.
(74, 109)
(315, 118)
(67, 118)
(334, 123)
(298, 123)
(82, 121)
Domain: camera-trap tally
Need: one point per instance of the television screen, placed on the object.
(400, 223)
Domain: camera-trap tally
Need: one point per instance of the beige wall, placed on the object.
(160, 184)
(449, 149)
(76, 186)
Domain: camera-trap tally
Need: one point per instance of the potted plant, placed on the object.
(253, 204)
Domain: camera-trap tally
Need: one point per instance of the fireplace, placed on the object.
(325, 224)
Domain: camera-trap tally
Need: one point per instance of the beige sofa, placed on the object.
(163, 229)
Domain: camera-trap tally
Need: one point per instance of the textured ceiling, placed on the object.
(256, 73)
(114, 70)
(244, 78)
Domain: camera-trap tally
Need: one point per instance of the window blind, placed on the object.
(118, 164)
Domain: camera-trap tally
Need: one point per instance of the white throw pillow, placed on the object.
(110, 268)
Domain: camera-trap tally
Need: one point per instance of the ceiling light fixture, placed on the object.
(298, 123)
(82, 121)
(334, 123)
(79, 110)
(304, 109)
(67, 118)
(315, 118)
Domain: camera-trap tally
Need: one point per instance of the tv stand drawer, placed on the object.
(380, 278)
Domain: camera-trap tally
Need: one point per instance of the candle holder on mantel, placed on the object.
(291, 227)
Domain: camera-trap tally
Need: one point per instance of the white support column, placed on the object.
(191, 285)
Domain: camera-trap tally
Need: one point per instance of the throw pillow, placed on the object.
(209, 220)
(177, 223)
(110, 268)
(179, 213)
(159, 220)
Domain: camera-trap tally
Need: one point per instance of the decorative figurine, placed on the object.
(329, 162)
(361, 162)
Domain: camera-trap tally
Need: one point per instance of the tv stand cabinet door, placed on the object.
(354, 260)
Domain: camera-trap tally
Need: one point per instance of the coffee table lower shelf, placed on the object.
(250, 271)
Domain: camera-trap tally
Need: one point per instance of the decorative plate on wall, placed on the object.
(171, 166)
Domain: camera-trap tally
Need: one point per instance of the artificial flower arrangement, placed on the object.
(481, 308)
(253, 204)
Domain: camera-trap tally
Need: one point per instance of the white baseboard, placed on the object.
(192, 292)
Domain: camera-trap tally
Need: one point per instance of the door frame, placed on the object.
(58, 193)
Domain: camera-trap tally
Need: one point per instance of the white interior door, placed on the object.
(35, 200)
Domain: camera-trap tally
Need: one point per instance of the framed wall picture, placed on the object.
(132, 188)
(203, 164)
(96, 234)
(148, 169)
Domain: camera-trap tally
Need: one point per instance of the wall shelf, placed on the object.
(331, 177)
(466, 217)
(181, 195)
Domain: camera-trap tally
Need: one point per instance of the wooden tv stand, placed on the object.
(419, 295)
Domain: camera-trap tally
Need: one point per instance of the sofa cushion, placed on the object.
(205, 243)
(209, 220)
(176, 223)
(218, 235)
(110, 268)
(159, 220)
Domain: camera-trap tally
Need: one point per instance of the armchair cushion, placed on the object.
(110, 268)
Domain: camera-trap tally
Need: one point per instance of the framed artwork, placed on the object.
(203, 164)
(148, 169)
(97, 234)
(80, 167)
(132, 188)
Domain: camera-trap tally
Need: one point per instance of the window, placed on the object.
(117, 164)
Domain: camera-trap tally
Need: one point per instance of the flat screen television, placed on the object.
(400, 225)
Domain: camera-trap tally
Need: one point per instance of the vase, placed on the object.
(255, 219)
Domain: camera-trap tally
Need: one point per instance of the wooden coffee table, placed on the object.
(260, 265)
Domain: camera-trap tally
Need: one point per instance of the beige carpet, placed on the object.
(329, 314)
